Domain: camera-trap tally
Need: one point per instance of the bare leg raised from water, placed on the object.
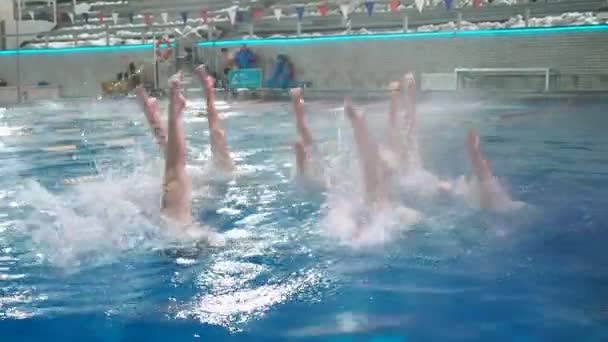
(413, 153)
(177, 186)
(298, 106)
(396, 158)
(371, 165)
(151, 108)
(394, 136)
(305, 142)
(301, 158)
(491, 195)
(219, 146)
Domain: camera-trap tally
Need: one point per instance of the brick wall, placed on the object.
(580, 60)
(78, 74)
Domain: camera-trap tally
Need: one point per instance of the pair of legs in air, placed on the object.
(304, 144)
(366, 146)
(177, 187)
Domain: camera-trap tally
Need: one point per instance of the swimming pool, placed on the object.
(88, 262)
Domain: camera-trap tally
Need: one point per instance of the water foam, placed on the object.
(94, 222)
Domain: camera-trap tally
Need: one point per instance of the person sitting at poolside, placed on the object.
(227, 65)
(244, 58)
(283, 73)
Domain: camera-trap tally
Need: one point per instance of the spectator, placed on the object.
(244, 58)
(282, 74)
(227, 62)
(134, 75)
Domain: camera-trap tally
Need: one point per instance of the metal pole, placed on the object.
(527, 16)
(55, 12)
(74, 3)
(459, 20)
(155, 62)
(299, 28)
(251, 30)
(406, 23)
(176, 64)
(18, 52)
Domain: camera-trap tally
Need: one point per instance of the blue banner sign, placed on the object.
(245, 78)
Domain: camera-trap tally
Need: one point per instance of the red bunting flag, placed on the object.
(148, 19)
(323, 9)
(100, 17)
(205, 15)
(476, 3)
(258, 13)
(394, 6)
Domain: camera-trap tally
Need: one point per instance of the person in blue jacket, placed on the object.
(244, 58)
(282, 74)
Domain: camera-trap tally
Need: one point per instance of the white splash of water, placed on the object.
(97, 221)
(473, 193)
(356, 224)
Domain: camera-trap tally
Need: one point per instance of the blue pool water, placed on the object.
(89, 262)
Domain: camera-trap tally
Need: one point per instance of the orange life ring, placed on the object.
(163, 54)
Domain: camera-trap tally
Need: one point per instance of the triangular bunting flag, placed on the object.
(71, 16)
(131, 17)
(369, 7)
(148, 19)
(394, 6)
(165, 17)
(448, 4)
(323, 9)
(476, 3)
(345, 9)
(300, 12)
(258, 13)
(419, 5)
(32, 15)
(185, 17)
(115, 18)
(278, 13)
(100, 17)
(205, 15)
(232, 14)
